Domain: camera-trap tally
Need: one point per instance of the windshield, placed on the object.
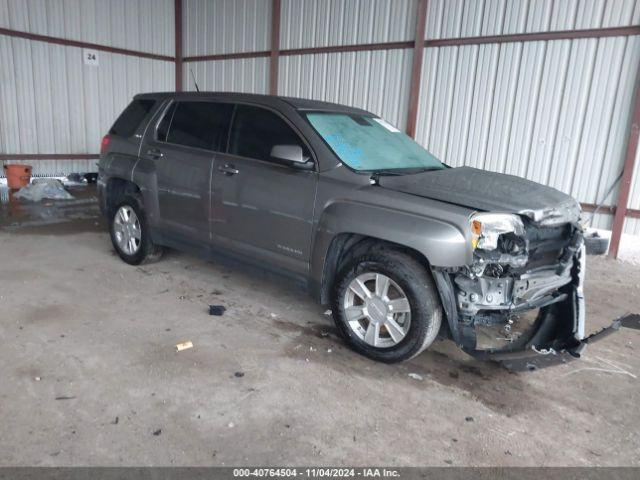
(369, 143)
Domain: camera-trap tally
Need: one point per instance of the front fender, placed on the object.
(442, 243)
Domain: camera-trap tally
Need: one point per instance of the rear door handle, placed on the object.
(154, 153)
(229, 170)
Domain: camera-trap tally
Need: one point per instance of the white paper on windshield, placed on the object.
(386, 125)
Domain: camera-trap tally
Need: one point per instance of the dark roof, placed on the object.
(272, 100)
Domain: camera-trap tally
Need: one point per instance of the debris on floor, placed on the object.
(416, 376)
(631, 321)
(596, 244)
(238, 374)
(157, 432)
(327, 313)
(65, 397)
(40, 188)
(217, 310)
(184, 346)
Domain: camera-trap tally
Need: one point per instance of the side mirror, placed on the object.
(290, 154)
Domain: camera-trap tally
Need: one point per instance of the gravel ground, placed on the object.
(90, 375)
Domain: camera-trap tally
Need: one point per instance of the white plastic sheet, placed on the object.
(50, 188)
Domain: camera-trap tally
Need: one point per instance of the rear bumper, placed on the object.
(102, 197)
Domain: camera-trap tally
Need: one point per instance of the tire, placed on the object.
(596, 245)
(146, 251)
(417, 285)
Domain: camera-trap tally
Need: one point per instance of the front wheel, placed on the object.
(386, 306)
(130, 233)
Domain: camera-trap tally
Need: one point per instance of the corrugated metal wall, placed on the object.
(555, 112)
(376, 81)
(632, 225)
(247, 75)
(312, 23)
(222, 27)
(471, 18)
(143, 25)
(50, 101)
(225, 26)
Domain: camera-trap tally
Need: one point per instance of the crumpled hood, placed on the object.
(489, 191)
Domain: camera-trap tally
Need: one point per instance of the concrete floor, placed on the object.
(90, 375)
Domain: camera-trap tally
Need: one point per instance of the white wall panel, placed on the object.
(226, 26)
(50, 102)
(555, 112)
(375, 81)
(247, 75)
(632, 225)
(320, 23)
(144, 25)
(471, 18)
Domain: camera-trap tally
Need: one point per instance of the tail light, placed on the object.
(105, 143)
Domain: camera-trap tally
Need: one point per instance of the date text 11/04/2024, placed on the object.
(316, 472)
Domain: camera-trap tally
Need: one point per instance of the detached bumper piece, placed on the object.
(535, 359)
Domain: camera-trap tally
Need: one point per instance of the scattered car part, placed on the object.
(595, 244)
(184, 346)
(217, 310)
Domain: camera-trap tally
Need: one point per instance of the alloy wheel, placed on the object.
(126, 228)
(377, 310)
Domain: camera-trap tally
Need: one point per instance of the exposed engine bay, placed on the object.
(523, 290)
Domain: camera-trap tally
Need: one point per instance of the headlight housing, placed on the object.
(486, 228)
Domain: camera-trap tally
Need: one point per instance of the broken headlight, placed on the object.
(486, 229)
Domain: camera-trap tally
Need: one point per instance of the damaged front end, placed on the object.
(522, 296)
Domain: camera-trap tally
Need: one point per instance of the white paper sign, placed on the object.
(90, 57)
(387, 125)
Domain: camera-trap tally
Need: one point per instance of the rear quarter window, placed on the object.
(129, 120)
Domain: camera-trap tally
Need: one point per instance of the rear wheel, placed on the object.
(130, 234)
(386, 306)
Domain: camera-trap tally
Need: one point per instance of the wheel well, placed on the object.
(116, 190)
(346, 246)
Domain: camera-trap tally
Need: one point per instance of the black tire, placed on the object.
(147, 252)
(419, 288)
(596, 245)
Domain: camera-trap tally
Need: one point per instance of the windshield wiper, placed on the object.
(376, 174)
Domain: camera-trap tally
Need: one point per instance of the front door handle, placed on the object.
(229, 170)
(154, 153)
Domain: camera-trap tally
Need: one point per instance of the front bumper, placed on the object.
(557, 335)
(534, 359)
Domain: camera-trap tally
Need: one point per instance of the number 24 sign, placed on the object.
(90, 57)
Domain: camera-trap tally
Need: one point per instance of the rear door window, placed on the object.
(256, 130)
(196, 124)
(131, 118)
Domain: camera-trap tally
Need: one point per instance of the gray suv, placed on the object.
(403, 247)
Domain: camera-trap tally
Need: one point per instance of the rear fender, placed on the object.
(145, 176)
